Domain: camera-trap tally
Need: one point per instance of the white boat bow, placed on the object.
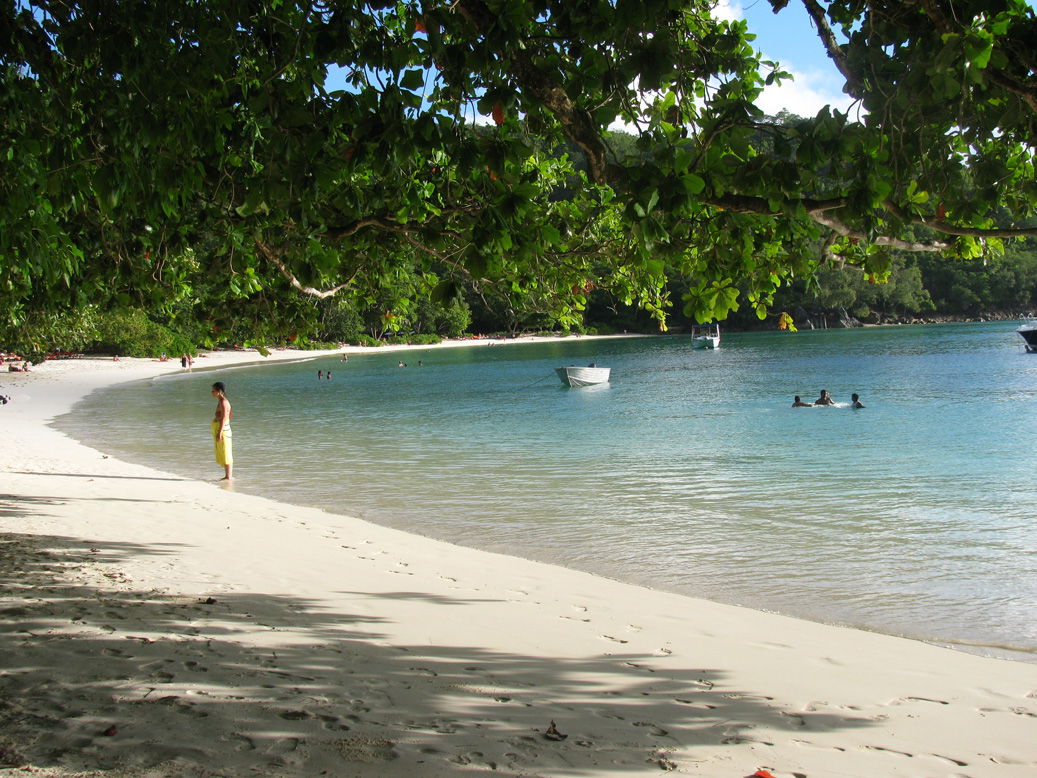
(583, 376)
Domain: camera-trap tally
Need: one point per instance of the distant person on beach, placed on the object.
(855, 401)
(824, 399)
(320, 374)
(221, 434)
(345, 357)
(328, 376)
(797, 403)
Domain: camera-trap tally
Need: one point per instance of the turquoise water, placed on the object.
(688, 472)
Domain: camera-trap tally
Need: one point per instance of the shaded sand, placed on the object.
(157, 626)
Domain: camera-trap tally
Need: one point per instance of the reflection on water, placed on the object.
(689, 471)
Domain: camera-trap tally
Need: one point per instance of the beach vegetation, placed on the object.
(236, 164)
(131, 333)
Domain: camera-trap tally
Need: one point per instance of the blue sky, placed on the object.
(789, 38)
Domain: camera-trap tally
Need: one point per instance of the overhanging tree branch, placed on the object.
(273, 259)
(824, 31)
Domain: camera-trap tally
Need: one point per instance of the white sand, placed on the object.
(157, 626)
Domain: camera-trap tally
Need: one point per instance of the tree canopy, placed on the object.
(241, 158)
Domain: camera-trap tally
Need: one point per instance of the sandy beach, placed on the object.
(159, 626)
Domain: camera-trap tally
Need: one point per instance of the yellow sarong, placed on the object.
(225, 447)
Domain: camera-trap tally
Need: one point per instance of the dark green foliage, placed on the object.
(222, 165)
(131, 333)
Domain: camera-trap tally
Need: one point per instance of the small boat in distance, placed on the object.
(583, 376)
(705, 336)
(1029, 334)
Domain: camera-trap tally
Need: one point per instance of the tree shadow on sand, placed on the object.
(99, 676)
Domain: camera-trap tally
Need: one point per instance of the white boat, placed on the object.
(1029, 334)
(707, 336)
(583, 376)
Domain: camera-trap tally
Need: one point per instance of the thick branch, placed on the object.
(818, 211)
(846, 231)
(1027, 92)
(751, 204)
(354, 227)
(939, 225)
(576, 123)
(322, 294)
(391, 225)
(824, 31)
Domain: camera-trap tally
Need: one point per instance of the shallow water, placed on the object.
(688, 472)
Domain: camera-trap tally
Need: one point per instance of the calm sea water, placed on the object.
(689, 472)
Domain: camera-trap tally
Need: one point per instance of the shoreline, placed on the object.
(155, 625)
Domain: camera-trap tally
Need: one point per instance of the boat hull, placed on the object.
(1029, 335)
(583, 376)
(705, 341)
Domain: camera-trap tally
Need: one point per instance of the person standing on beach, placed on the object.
(221, 434)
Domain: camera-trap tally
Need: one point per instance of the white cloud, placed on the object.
(805, 94)
(728, 10)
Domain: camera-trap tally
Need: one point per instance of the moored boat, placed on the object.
(1029, 334)
(707, 336)
(583, 376)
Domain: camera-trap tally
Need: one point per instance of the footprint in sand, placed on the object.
(902, 700)
(809, 744)
(952, 760)
(639, 667)
(885, 750)
(652, 728)
(615, 640)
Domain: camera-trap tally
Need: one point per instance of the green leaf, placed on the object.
(693, 183)
(413, 79)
